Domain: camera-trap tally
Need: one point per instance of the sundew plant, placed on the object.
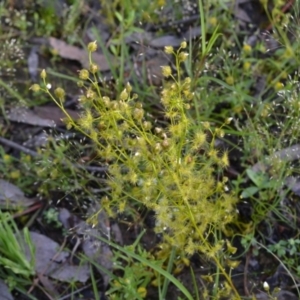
(174, 170)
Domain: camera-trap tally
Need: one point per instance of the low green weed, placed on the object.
(146, 267)
(287, 251)
(135, 277)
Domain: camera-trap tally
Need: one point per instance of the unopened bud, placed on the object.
(84, 74)
(92, 46)
(169, 49)
(93, 68)
(138, 113)
(165, 143)
(182, 56)
(266, 286)
(43, 74)
(183, 45)
(124, 95)
(60, 93)
(35, 87)
(166, 71)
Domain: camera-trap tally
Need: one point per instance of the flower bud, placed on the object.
(166, 71)
(106, 101)
(128, 87)
(266, 286)
(138, 113)
(213, 21)
(92, 46)
(206, 125)
(182, 56)
(169, 49)
(147, 125)
(124, 95)
(35, 87)
(142, 292)
(114, 105)
(158, 130)
(279, 86)
(187, 81)
(84, 74)
(246, 65)
(60, 93)
(228, 120)
(229, 80)
(90, 94)
(43, 74)
(139, 105)
(93, 68)
(165, 143)
(183, 45)
(80, 83)
(157, 147)
(247, 48)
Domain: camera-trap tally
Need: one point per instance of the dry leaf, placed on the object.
(12, 197)
(27, 116)
(92, 247)
(51, 261)
(54, 113)
(75, 53)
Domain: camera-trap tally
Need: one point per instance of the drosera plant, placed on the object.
(175, 170)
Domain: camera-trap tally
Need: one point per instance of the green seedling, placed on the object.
(13, 245)
(261, 181)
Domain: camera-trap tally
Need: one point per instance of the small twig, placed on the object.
(78, 291)
(246, 290)
(18, 147)
(91, 168)
(28, 210)
(78, 243)
(35, 154)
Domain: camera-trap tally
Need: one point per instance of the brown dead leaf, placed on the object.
(54, 113)
(52, 261)
(27, 116)
(92, 247)
(12, 197)
(67, 51)
(44, 116)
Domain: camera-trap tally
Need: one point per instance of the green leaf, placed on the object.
(259, 179)
(150, 264)
(250, 191)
